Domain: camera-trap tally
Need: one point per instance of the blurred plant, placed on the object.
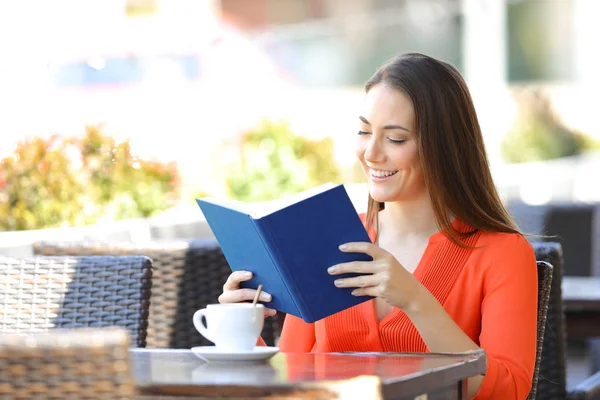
(135, 8)
(539, 134)
(130, 186)
(39, 188)
(72, 181)
(274, 162)
(199, 193)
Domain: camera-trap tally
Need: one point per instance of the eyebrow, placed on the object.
(363, 119)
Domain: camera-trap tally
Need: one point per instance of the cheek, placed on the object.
(415, 163)
(407, 159)
(412, 157)
(418, 171)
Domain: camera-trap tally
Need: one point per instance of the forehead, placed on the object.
(384, 105)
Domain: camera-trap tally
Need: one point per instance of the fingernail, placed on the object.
(338, 282)
(272, 312)
(248, 274)
(332, 270)
(265, 297)
(343, 247)
(354, 292)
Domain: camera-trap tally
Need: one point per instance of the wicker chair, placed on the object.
(188, 275)
(40, 293)
(573, 225)
(552, 381)
(576, 226)
(85, 363)
(544, 285)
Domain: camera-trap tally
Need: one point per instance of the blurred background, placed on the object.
(119, 109)
(116, 114)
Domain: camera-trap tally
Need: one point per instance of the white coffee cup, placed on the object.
(231, 327)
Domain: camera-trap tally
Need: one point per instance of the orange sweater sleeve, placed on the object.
(509, 321)
(297, 336)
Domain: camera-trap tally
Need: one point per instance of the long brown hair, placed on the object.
(450, 145)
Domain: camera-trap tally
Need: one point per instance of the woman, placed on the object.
(450, 270)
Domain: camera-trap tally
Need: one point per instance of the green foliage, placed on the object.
(274, 162)
(539, 134)
(73, 181)
(199, 193)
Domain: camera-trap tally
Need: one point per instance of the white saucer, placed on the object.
(259, 353)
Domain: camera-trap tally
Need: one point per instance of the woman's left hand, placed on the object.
(388, 279)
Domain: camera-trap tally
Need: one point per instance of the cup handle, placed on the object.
(200, 325)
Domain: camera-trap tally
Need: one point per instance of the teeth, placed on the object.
(382, 174)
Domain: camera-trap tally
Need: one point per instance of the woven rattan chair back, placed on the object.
(42, 292)
(86, 363)
(552, 367)
(188, 275)
(544, 284)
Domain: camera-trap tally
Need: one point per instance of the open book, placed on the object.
(288, 244)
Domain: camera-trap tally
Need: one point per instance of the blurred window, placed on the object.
(541, 37)
(125, 70)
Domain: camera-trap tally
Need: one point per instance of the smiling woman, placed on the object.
(387, 146)
(450, 270)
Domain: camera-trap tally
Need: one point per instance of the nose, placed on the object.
(373, 151)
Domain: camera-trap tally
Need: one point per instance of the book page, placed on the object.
(236, 205)
(261, 209)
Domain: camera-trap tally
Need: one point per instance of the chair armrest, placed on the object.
(587, 390)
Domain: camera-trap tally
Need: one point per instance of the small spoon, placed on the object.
(256, 296)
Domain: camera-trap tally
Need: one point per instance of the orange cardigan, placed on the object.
(490, 292)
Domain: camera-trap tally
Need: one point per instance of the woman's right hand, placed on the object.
(232, 293)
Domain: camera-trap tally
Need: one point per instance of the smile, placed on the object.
(382, 174)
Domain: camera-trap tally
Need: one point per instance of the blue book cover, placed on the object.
(289, 244)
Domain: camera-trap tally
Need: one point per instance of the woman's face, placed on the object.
(387, 146)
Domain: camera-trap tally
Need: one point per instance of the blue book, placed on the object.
(289, 244)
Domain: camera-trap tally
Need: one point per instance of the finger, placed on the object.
(239, 295)
(362, 281)
(364, 267)
(367, 291)
(233, 281)
(362, 247)
(269, 312)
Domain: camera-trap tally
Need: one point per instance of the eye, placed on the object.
(364, 133)
(396, 141)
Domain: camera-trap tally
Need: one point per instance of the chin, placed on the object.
(382, 197)
(387, 196)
